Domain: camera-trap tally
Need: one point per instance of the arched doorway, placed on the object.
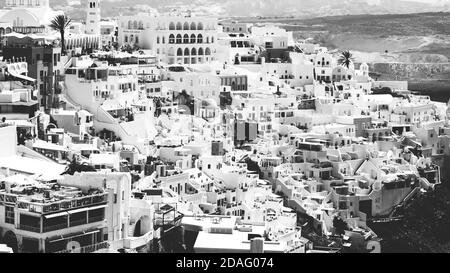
(10, 240)
(143, 226)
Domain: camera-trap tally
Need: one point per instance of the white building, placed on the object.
(173, 38)
(30, 13)
(93, 17)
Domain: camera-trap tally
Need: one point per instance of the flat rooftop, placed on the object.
(236, 242)
(31, 165)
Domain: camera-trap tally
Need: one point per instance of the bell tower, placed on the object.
(93, 17)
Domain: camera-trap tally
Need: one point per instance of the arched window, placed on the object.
(207, 39)
(141, 25)
(172, 26)
(171, 39)
(199, 39)
(193, 51)
(212, 40)
(186, 39)
(200, 26)
(186, 26)
(130, 24)
(163, 40)
(179, 52)
(171, 51)
(179, 40)
(207, 51)
(193, 39)
(179, 26)
(135, 24)
(126, 39)
(157, 40)
(193, 27)
(186, 52)
(200, 51)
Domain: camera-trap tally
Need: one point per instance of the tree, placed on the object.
(339, 225)
(253, 166)
(126, 48)
(60, 23)
(75, 166)
(346, 58)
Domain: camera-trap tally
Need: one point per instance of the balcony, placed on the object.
(76, 202)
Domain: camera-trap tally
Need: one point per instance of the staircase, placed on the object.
(408, 197)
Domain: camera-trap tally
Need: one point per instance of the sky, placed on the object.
(298, 8)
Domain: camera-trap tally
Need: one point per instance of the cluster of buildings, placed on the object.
(223, 132)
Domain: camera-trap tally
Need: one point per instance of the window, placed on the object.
(9, 215)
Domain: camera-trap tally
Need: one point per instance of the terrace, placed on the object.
(47, 198)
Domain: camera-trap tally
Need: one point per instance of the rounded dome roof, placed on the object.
(210, 103)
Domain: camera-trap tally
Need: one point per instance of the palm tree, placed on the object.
(346, 58)
(60, 23)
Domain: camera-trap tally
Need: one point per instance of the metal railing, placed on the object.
(96, 219)
(78, 222)
(56, 206)
(87, 249)
(54, 227)
(30, 228)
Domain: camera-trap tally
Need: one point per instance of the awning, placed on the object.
(73, 236)
(55, 215)
(23, 77)
(97, 207)
(77, 210)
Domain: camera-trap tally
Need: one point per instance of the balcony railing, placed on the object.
(59, 205)
(54, 227)
(87, 249)
(8, 198)
(78, 222)
(96, 219)
(30, 228)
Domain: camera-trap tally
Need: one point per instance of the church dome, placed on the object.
(209, 103)
(21, 17)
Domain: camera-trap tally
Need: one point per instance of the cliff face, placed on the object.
(426, 226)
(410, 71)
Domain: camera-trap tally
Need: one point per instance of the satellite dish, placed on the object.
(73, 246)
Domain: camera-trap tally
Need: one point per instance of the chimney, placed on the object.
(257, 245)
